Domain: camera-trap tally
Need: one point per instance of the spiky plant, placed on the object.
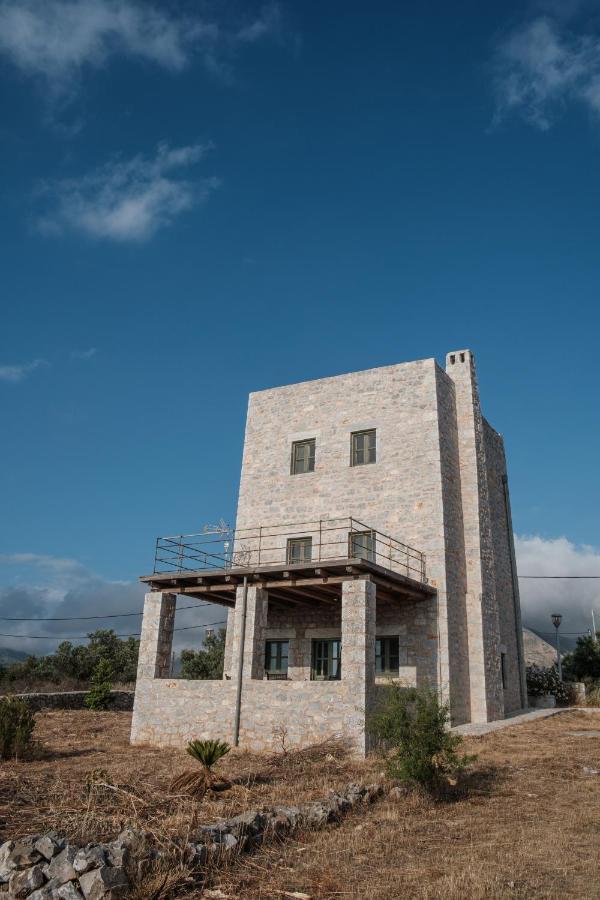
(207, 753)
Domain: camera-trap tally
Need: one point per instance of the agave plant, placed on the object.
(207, 753)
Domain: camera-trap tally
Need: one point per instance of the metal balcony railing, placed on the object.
(319, 540)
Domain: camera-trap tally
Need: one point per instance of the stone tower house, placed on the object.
(321, 612)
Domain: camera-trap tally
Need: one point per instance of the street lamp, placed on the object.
(556, 620)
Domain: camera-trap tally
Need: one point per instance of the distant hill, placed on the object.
(8, 655)
(538, 652)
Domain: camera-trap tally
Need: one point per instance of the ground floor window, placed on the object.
(326, 660)
(276, 658)
(387, 656)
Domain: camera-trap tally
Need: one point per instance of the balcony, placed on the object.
(287, 559)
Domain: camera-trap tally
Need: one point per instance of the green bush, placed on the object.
(16, 727)
(101, 686)
(411, 727)
(544, 680)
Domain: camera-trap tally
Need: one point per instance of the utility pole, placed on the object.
(556, 620)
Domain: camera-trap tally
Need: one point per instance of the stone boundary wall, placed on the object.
(119, 700)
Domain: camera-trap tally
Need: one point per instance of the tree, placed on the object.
(208, 662)
(99, 695)
(583, 664)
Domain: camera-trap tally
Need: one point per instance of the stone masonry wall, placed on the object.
(507, 591)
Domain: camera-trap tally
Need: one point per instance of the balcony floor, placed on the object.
(297, 583)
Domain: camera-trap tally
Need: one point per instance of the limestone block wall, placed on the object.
(507, 586)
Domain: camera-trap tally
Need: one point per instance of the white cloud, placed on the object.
(84, 354)
(127, 200)
(55, 40)
(574, 598)
(17, 373)
(542, 66)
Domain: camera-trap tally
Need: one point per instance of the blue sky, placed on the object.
(200, 200)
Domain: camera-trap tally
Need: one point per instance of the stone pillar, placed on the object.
(483, 627)
(254, 644)
(228, 656)
(358, 651)
(156, 639)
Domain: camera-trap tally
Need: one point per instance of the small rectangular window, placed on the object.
(363, 448)
(362, 545)
(503, 669)
(303, 457)
(299, 550)
(387, 656)
(326, 660)
(276, 657)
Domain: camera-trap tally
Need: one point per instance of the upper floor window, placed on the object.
(299, 550)
(362, 545)
(387, 656)
(363, 448)
(303, 456)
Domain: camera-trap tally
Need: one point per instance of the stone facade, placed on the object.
(438, 484)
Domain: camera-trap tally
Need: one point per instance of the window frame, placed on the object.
(333, 658)
(386, 654)
(296, 542)
(368, 452)
(307, 461)
(279, 656)
(371, 550)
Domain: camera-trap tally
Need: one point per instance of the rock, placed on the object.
(107, 882)
(22, 884)
(250, 822)
(90, 857)
(371, 792)
(213, 832)
(131, 838)
(24, 853)
(230, 842)
(291, 814)
(66, 891)
(61, 866)
(398, 793)
(49, 845)
(118, 854)
(6, 864)
(587, 770)
(42, 893)
(315, 815)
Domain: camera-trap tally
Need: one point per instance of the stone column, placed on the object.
(254, 644)
(156, 639)
(483, 627)
(358, 651)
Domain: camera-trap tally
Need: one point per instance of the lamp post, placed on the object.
(556, 620)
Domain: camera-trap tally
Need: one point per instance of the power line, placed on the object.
(559, 576)
(85, 618)
(85, 637)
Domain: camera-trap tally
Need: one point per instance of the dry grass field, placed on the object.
(527, 824)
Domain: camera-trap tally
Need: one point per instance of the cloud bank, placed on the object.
(46, 586)
(573, 598)
(54, 41)
(127, 200)
(541, 67)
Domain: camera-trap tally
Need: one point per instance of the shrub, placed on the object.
(544, 680)
(99, 695)
(411, 725)
(16, 727)
(208, 753)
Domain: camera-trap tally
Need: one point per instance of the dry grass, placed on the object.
(528, 827)
(88, 782)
